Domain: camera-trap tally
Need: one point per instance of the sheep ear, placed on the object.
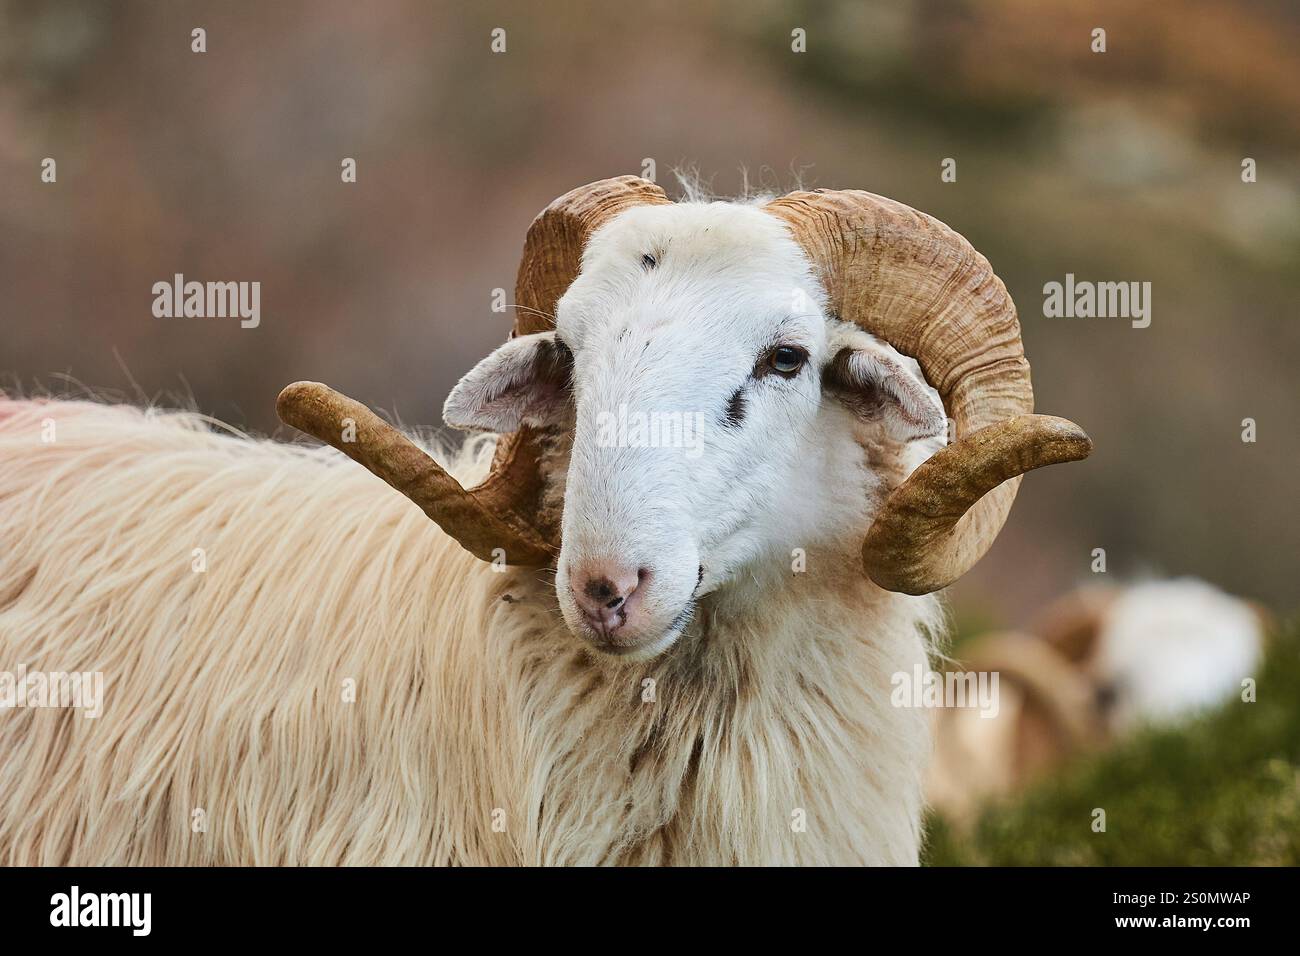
(882, 387)
(524, 382)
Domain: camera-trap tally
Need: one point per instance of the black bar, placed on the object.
(332, 907)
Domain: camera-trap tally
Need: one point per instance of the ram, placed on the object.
(1095, 665)
(608, 650)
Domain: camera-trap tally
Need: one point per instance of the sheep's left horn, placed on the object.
(927, 534)
(908, 278)
(474, 517)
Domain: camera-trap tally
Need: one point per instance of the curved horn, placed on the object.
(553, 249)
(909, 279)
(507, 511)
(1060, 691)
(473, 518)
(550, 262)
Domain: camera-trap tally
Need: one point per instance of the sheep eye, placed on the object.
(787, 359)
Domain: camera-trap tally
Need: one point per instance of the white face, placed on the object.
(718, 413)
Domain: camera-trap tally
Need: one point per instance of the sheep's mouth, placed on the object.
(682, 619)
(643, 649)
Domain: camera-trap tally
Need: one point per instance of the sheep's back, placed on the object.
(235, 594)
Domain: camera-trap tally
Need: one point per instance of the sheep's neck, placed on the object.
(772, 713)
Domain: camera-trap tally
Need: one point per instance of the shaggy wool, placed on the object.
(300, 668)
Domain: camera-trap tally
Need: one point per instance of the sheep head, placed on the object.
(754, 332)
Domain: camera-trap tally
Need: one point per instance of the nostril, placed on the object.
(606, 594)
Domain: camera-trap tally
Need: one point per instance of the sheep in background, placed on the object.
(1046, 713)
(1165, 650)
(1098, 663)
(689, 701)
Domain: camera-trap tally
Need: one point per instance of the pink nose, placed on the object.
(606, 594)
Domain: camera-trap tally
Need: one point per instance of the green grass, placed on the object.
(1223, 789)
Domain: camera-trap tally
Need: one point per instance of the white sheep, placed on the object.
(1098, 663)
(300, 669)
(1167, 650)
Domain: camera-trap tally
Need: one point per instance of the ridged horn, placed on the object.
(475, 518)
(910, 280)
(505, 513)
(550, 262)
(553, 248)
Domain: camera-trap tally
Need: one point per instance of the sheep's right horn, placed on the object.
(550, 262)
(476, 519)
(553, 249)
(909, 279)
(507, 512)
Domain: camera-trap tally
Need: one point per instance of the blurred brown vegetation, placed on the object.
(1115, 166)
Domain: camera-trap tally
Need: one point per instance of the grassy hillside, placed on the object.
(1221, 790)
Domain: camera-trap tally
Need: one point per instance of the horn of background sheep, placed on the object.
(910, 280)
(506, 513)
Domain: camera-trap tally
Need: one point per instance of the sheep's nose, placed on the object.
(603, 593)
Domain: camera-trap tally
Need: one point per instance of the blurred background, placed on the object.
(1116, 166)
